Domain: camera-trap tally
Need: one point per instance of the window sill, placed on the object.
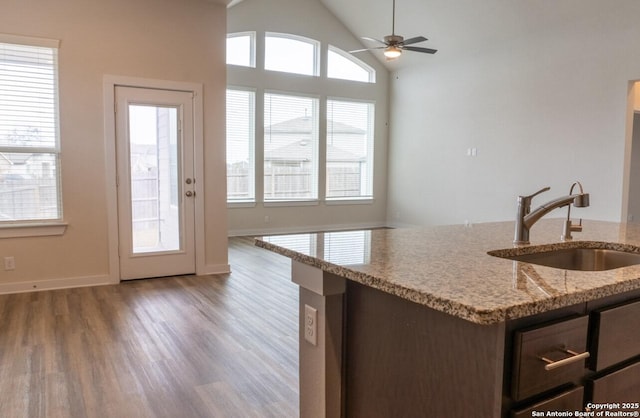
(231, 205)
(276, 203)
(33, 229)
(350, 201)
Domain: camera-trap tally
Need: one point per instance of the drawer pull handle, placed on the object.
(573, 357)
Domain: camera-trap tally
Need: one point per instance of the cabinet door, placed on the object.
(615, 336)
(566, 401)
(533, 350)
(620, 386)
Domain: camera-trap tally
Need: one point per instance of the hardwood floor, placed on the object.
(189, 346)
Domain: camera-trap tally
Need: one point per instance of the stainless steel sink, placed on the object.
(583, 259)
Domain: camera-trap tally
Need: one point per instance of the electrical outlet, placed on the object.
(9, 263)
(310, 324)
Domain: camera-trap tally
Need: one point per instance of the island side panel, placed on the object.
(404, 359)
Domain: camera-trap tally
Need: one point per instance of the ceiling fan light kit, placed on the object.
(394, 44)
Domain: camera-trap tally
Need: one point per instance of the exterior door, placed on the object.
(155, 179)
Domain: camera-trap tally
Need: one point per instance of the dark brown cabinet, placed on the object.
(570, 400)
(548, 357)
(619, 386)
(615, 335)
(571, 361)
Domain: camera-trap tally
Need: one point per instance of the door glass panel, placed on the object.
(155, 187)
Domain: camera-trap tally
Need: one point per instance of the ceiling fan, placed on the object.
(395, 44)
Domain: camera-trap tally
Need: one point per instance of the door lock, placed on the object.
(189, 181)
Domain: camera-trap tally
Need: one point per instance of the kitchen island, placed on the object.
(423, 322)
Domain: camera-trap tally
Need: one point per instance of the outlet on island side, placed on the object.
(310, 324)
(9, 263)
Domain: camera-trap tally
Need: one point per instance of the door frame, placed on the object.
(110, 82)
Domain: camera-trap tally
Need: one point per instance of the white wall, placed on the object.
(311, 19)
(545, 108)
(156, 39)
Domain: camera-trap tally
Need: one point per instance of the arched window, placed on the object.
(291, 54)
(241, 49)
(342, 65)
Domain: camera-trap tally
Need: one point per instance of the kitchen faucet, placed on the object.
(525, 218)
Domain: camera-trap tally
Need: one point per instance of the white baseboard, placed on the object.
(304, 229)
(214, 269)
(52, 284)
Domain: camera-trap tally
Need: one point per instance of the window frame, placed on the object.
(39, 226)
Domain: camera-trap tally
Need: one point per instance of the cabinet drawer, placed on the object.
(534, 348)
(615, 336)
(620, 386)
(566, 401)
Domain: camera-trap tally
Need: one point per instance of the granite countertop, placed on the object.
(447, 268)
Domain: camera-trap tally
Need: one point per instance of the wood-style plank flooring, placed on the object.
(214, 346)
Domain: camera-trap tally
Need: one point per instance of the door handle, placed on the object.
(189, 193)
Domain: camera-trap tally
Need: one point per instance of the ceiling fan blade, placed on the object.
(414, 40)
(419, 49)
(366, 38)
(367, 49)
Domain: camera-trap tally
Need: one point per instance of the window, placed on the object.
(293, 118)
(240, 145)
(349, 149)
(290, 147)
(291, 54)
(342, 65)
(29, 139)
(241, 49)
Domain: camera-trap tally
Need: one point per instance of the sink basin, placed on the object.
(583, 259)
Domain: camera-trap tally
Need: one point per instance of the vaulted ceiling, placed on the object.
(462, 26)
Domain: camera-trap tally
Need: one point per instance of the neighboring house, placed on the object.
(290, 152)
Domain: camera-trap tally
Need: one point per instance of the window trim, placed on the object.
(39, 227)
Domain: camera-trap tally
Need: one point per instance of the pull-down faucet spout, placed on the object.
(525, 218)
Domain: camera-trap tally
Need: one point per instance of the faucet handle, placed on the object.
(528, 199)
(545, 189)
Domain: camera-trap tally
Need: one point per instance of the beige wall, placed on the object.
(156, 39)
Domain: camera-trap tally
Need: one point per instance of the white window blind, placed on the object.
(240, 145)
(349, 149)
(29, 139)
(290, 147)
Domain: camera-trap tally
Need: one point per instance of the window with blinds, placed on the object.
(349, 149)
(240, 145)
(29, 138)
(290, 147)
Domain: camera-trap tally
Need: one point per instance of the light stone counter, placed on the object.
(447, 268)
